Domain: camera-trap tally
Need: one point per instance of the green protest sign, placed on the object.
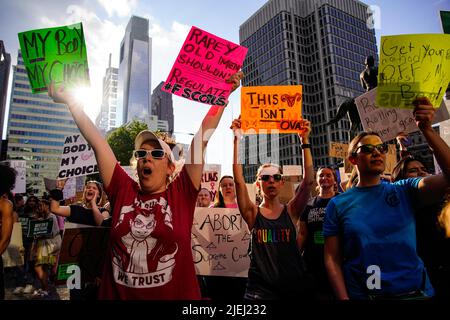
(414, 65)
(55, 54)
(445, 18)
(40, 228)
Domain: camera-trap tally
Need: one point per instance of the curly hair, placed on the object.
(8, 175)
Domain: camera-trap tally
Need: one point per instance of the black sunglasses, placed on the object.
(155, 153)
(266, 177)
(369, 148)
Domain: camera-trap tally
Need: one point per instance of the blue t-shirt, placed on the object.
(377, 228)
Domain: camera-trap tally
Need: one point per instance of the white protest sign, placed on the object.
(220, 240)
(20, 166)
(77, 159)
(290, 170)
(210, 178)
(70, 188)
(389, 122)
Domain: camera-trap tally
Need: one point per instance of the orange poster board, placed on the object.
(271, 109)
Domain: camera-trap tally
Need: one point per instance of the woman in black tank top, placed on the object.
(276, 268)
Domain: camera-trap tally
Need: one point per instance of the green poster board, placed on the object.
(55, 54)
(40, 228)
(445, 18)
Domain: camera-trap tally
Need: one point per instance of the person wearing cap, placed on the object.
(277, 269)
(149, 255)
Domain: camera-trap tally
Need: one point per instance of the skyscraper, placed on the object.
(5, 65)
(36, 130)
(320, 44)
(107, 118)
(162, 105)
(134, 99)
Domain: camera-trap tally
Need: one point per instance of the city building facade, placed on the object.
(36, 130)
(134, 86)
(319, 44)
(107, 118)
(162, 106)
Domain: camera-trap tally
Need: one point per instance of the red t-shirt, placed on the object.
(149, 254)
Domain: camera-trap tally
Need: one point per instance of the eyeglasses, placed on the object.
(155, 153)
(266, 177)
(369, 148)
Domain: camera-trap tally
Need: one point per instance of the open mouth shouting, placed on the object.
(146, 172)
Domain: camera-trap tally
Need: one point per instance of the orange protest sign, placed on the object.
(271, 109)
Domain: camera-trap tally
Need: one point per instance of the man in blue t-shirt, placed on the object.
(370, 239)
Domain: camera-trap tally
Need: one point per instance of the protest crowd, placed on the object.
(358, 234)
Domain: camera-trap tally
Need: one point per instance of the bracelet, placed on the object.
(306, 145)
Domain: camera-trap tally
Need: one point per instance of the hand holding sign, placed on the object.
(423, 113)
(236, 127)
(61, 94)
(304, 135)
(57, 54)
(235, 80)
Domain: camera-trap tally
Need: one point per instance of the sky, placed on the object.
(104, 23)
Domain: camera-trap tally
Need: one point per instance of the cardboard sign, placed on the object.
(220, 240)
(13, 255)
(271, 108)
(391, 159)
(84, 247)
(40, 228)
(203, 65)
(55, 54)
(210, 178)
(77, 159)
(411, 66)
(389, 122)
(338, 150)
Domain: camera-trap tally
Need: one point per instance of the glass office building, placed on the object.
(319, 44)
(36, 130)
(134, 92)
(107, 118)
(162, 106)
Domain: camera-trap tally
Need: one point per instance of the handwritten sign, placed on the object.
(210, 178)
(55, 54)
(412, 66)
(85, 247)
(40, 228)
(70, 187)
(203, 65)
(220, 240)
(271, 108)
(389, 122)
(77, 159)
(338, 150)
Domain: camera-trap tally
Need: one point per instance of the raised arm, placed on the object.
(432, 188)
(195, 159)
(247, 208)
(56, 195)
(300, 200)
(106, 160)
(7, 222)
(333, 264)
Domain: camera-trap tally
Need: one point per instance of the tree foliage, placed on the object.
(121, 140)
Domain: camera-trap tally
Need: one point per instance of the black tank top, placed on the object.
(276, 269)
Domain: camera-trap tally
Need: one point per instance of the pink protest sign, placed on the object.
(203, 65)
